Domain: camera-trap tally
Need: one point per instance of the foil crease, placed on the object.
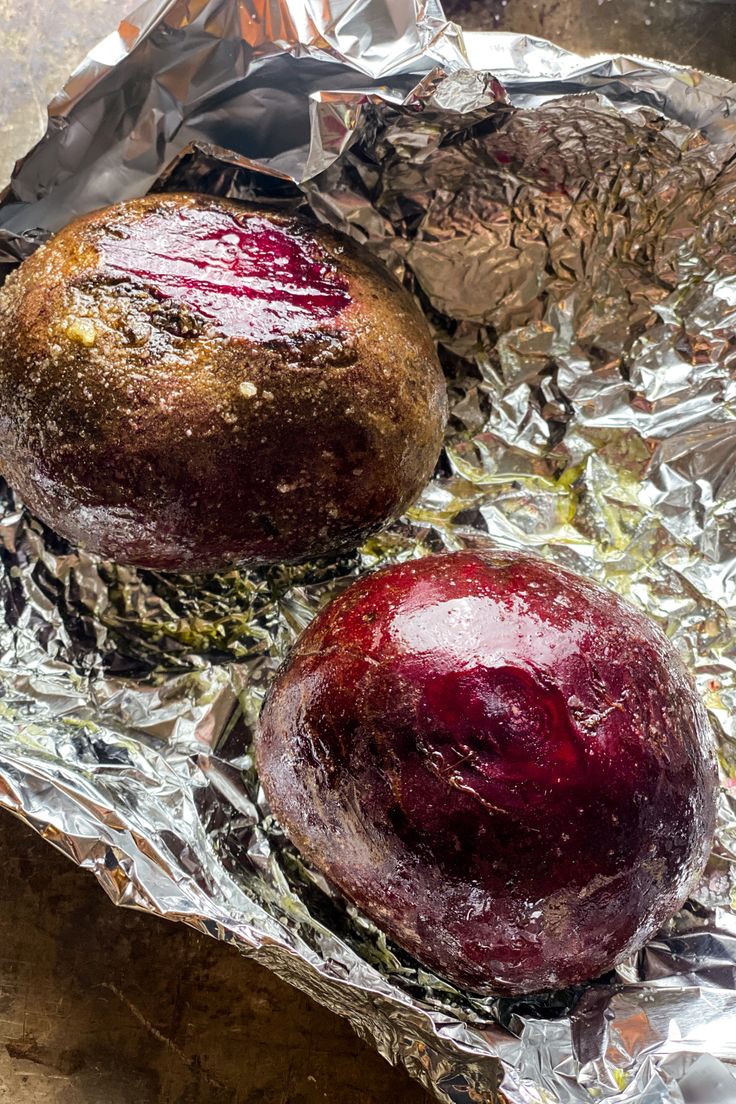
(567, 225)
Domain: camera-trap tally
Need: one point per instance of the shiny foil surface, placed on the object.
(568, 227)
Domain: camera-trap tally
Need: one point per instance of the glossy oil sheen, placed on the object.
(249, 276)
(506, 767)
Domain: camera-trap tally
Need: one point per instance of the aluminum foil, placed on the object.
(568, 227)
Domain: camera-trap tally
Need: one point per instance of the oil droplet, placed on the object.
(82, 330)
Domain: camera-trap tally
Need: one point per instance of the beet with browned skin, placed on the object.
(188, 383)
(501, 763)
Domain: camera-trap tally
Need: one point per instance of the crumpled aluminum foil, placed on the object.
(568, 226)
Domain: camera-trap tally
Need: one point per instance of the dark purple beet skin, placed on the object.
(501, 763)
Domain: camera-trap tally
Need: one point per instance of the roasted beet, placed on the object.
(187, 383)
(501, 763)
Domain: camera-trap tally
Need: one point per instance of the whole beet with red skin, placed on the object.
(499, 762)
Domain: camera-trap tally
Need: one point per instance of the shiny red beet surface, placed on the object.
(501, 763)
(253, 278)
